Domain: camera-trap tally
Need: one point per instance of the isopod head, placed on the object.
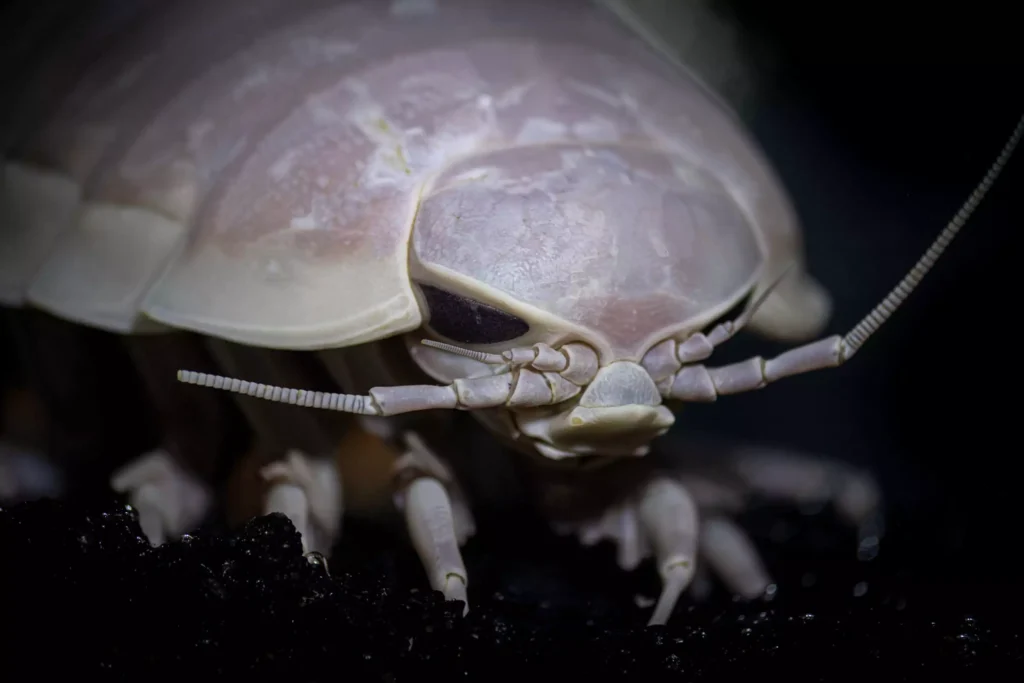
(501, 183)
(563, 221)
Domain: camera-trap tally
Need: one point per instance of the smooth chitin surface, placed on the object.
(144, 67)
(616, 239)
(304, 241)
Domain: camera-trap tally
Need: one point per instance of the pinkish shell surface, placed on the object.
(304, 240)
(118, 94)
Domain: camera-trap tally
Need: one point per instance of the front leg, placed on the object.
(437, 516)
(169, 499)
(681, 516)
(664, 520)
(659, 518)
(800, 479)
(725, 479)
(173, 487)
(308, 492)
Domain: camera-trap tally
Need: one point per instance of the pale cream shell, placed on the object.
(273, 200)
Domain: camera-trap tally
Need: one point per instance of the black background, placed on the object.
(880, 120)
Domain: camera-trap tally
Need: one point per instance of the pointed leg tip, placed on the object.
(756, 589)
(455, 590)
(676, 578)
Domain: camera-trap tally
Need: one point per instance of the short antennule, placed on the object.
(856, 337)
(481, 356)
(725, 331)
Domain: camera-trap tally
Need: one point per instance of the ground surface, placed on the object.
(81, 584)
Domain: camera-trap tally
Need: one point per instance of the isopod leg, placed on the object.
(802, 479)
(669, 515)
(700, 587)
(428, 513)
(169, 500)
(733, 557)
(438, 521)
(172, 487)
(295, 448)
(723, 477)
(308, 491)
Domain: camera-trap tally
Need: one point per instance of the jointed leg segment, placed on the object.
(669, 516)
(170, 500)
(308, 491)
(438, 520)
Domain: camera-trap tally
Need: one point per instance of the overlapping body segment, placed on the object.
(50, 168)
(34, 203)
(306, 235)
(618, 244)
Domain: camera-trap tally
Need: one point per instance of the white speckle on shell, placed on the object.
(273, 271)
(256, 79)
(319, 217)
(496, 143)
(279, 170)
(540, 130)
(596, 129)
(595, 93)
(513, 96)
(307, 222)
(475, 175)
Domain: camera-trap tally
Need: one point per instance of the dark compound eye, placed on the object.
(470, 322)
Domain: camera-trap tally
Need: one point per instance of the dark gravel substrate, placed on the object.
(83, 590)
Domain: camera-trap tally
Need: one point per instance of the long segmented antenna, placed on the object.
(345, 403)
(856, 337)
(700, 383)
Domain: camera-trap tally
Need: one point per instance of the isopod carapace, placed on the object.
(74, 146)
(516, 89)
